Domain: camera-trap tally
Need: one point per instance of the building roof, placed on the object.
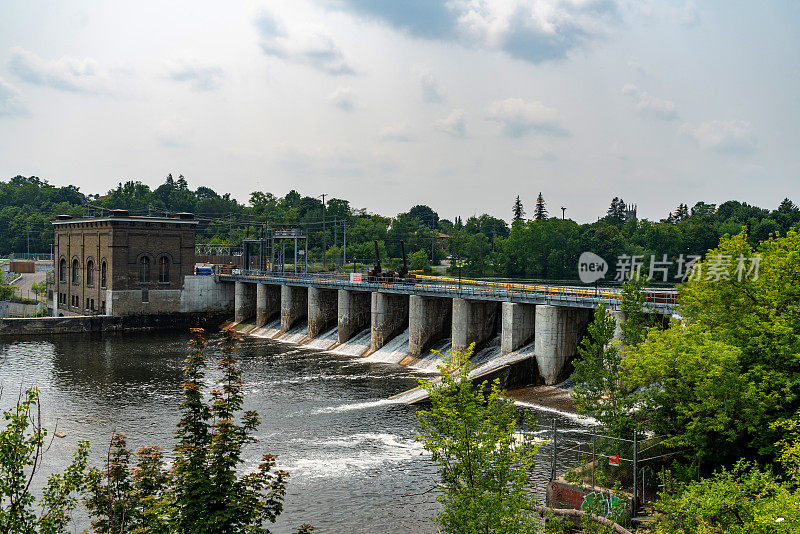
(123, 216)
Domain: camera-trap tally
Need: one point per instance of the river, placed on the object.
(355, 465)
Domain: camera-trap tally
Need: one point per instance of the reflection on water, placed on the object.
(354, 463)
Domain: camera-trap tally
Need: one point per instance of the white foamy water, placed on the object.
(485, 361)
(580, 419)
(269, 330)
(393, 352)
(324, 341)
(430, 362)
(494, 359)
(342, 456)
(296, 334)
(355, 346)
(356, 406)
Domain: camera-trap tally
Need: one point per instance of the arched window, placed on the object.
(163, 270)
(62, 270)
(76, 272)
(144, 269)
(90, 273)
(103, 274)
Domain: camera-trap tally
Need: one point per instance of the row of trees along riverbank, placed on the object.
(541, 247)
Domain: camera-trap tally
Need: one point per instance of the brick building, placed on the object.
(122, 264)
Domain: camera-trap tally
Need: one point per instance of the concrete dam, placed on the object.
(534, 328)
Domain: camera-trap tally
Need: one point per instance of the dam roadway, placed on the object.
(551, 319)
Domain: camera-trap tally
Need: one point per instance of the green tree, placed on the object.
(759, 317)
(600, 391)
(38, 288)
(483, 466)
(540, 213)
(203, 492)
(616, 212)
(634, 328)
(692, 389)
(742, 500)
(22, 445)
(418, 261)
(518, 211)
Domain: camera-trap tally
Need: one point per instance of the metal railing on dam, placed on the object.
(656, 300)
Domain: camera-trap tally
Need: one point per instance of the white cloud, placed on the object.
(65, 73)
(648, 104)
(200, 77)
(520, 118)
(398, 133)
(344, 98)
(532, 31)
(10, 103)
(638, 67)
(306, 46)
(431, 91)
(454, 124)
(727, 137)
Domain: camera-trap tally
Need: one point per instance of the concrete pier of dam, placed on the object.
(555, 332)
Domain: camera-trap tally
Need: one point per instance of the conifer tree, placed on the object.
(541, 211)
(519, 211)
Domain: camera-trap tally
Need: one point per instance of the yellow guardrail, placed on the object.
(527, 287)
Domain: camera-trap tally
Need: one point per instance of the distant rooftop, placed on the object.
(125, 215)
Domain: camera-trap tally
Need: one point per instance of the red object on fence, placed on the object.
(613, 460)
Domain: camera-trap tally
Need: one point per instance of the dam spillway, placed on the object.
(404, 322)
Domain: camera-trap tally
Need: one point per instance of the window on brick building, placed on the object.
(163, 270)
(144, 270)
(103, 270)
(76, 272)
(62, 270)
(90, 273)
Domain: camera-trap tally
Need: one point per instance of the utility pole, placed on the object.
(563, 209)
(324, 237)
(28, 229)
(344, 246)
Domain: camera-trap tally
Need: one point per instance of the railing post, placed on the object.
(635, 468)
(555, 445)
(594, 439)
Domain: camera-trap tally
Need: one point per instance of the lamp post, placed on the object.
(324, 237)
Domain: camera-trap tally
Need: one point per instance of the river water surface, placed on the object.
(355, 465)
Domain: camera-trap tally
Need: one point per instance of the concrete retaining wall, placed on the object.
(203, 294)
(18, 309)
(563, 494)
(46, 326)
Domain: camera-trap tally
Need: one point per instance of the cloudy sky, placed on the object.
(459, 104)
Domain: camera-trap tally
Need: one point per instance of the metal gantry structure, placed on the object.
(270, 251)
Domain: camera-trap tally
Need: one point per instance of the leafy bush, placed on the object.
(484, 467)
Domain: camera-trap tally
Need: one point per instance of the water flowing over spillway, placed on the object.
(394, 351)
(357, 346)
(325, 340)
